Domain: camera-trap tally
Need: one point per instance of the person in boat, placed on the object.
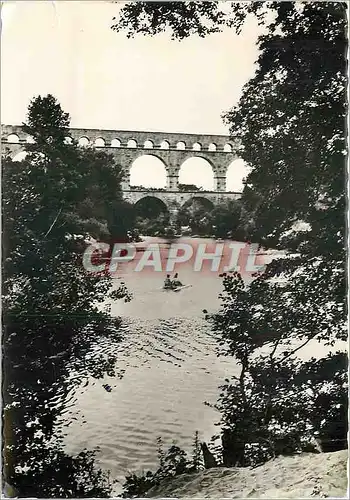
(168, 283)
(176, 281)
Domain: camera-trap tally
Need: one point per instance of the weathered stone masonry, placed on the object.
(171, 148)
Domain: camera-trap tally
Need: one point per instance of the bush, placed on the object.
(172, 463)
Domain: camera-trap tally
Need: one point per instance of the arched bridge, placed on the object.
(173, 200)
(171, 148)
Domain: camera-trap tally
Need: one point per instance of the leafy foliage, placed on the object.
(229, 221)
(226, 220)
(155, 226)
(196, 215)
(62, 476)
(172, 463)
(197, 460)
(295, 194)
(183, 18)
(290, 122)
(53, 201)
(148, 188)
(189, 187)
(278, 403)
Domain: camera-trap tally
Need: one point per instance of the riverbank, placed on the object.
(307, 475)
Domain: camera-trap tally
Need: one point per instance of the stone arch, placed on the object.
(199, 171)
(197, 146)
(150, 207)
(115, 143)
(164, 145)
(181, 145)
(84, 141)
(212, 147)
(236, 172)
(149, 171)
(228, 148)
(199, 199)
(100, 142)
(131, 143)
(152, 195)
(13, 139)
(194, 214)
(148, 144)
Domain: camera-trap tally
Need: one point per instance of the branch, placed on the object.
(274, 348)
(267, 416)
(297, 348)
(54, 222)
(241, 380)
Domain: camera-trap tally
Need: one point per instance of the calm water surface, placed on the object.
(170, 367)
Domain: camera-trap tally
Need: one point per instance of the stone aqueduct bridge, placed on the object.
(171, 148)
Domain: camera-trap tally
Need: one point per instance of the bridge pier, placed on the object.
(172, 182)
(125, 184)
(220, 184)
(173, 215)
(172, 179)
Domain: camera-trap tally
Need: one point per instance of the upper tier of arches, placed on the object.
(140, 140)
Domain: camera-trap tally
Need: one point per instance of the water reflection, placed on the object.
(170, 366)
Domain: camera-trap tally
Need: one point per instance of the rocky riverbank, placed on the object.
(307, 475)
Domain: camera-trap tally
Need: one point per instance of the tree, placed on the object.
(279, 403)
(197, 460)
(173, 462)
(290, 122)
(296, 191)
(151, 217)
(296, 146)
(51, 312)
(153, 226)
(227, 218)
(198, 215)
(183, 18)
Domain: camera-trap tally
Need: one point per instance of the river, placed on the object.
(169, 368)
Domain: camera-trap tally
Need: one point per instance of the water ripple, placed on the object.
(169, 365)
(170, 368)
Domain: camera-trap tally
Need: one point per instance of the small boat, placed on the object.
(177, 289)
(181, 288)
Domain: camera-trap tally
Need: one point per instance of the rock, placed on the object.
(307, 475)
(208, 457)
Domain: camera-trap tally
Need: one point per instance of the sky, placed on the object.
(105, 80)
